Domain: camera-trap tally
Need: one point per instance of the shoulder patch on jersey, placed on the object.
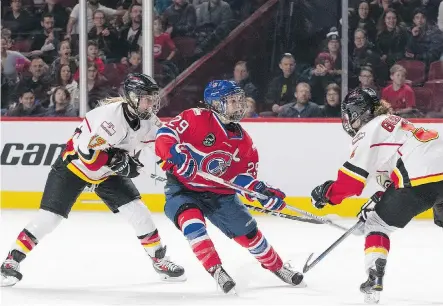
(209, 140)
(359, 136)
(96, 141)
(108, 127)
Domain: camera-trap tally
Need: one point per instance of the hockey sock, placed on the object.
(377, 245)
(150, 242)
(192, 224)
(25, 242)
(259, 247)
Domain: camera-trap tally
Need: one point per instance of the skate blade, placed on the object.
(372, 297)
(8, 281)
(169, 279)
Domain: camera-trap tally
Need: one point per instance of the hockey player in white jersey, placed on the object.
(103, 152)
(411, 157)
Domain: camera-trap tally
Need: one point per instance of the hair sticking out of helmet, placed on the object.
(226, 99)
(141, 93)
(358, 108)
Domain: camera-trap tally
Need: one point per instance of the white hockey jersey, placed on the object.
(103, 128)
(389, 144)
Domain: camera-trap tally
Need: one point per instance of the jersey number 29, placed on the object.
(178, 124)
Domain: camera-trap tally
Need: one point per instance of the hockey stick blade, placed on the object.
(308, 266)
(282, 215)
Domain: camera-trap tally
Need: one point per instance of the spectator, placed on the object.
(180, 19)
(45, 41)
(38, 82)
(366, 79)
(398, 94)
(130, 36)
(7, 34)
(65, 78)
(74, 28)
(360, 19)
(378, 7)
(362, 55)
(98, 87)
(281, 88)
(302, 107)
(333, 48)
(241, 77)
(321, 76)
(105, 36)
(133, 62)
(214, 22)
(18, 20)
(251, 108)
(26, 106)
(61, 15)
(332, 107)
(164, 47)
(65, 58)
(60, 104)
(391, 38)
(11, 60)
(92, 58)
(425, 40)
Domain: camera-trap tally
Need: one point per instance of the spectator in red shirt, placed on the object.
(92, 58)
(398, 94)
(164, 47)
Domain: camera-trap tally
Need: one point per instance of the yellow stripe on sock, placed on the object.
(150, 245)
(377, 250)
(22, 246)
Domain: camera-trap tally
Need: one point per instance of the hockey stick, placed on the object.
(308, 266)
(258, 195)
(258, 209)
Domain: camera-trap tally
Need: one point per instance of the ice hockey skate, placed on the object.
(222, 278)
(289, 276)
(10, 269)
(168, 270)
(374, 285)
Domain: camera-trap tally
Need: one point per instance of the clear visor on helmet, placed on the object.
(347, 126)
(235, 106)
(145, 105)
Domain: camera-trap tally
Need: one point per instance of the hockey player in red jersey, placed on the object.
(391, 147)
(211, 140)
(102, 152)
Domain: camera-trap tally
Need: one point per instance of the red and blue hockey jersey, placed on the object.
(226, 151)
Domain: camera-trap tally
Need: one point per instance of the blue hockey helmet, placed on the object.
(227, 99)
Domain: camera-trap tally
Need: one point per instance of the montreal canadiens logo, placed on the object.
(216, 163)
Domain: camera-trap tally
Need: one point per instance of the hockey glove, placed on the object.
(275, 196)
(122, 164)
(369, 205)
(185, 164)
(318, 195)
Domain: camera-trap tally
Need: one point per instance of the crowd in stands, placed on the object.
(395, 47)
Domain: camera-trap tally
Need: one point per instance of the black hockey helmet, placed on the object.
(141, 93)
(359, 104)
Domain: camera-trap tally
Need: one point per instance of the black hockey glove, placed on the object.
(122, 164)
(369, 205)
(318, 195)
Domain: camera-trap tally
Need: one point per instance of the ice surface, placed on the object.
(95, 259)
